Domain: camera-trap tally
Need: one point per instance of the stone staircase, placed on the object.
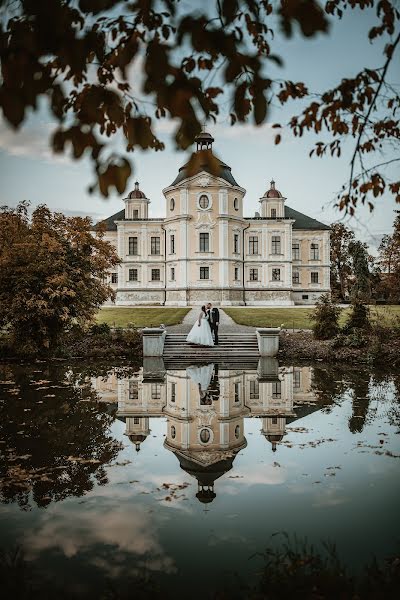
(233, 348)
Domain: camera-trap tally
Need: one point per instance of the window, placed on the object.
(253, 274)
(295, 277)
(254, 390)
(236, 273)
(314, 252)
(296, 251)
(237, 392)
(276, 274)
(204, 272)
(204, 202)
(133, 275)
(114, 277)
(171, 204)
(237, 431)
(133, 390)
(253, 244)
(173, 392)
(273, 213)
(304, 297)
(205, 436)
(172, 273)
(276, 244)
(155, 391)
(155, 274)
(236, 204)
(155, 245)
(276, 389)
(296, 379)
(136, 421)
(173, 432)
(274, 420)
(236, 243)
(172, 244)
(204, 242)
(133, 246)
(135, 214)
(314, 277)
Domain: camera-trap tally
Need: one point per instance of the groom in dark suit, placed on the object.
(213, 319)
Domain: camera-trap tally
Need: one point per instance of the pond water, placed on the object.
(113, 477)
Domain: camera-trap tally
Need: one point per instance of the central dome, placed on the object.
(205, 160)
(136, 193)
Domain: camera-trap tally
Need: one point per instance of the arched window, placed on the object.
(205, 436)
(204, 202)
(172, 204)
(173, 432)
(237, 431)
(236, 204)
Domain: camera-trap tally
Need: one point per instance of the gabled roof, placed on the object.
(303, 221)
(111, 226)
(224, 172)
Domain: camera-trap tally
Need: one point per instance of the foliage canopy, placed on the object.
(77, 56)
(52, 272)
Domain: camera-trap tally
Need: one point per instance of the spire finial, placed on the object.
(136, 185)
(272, 184)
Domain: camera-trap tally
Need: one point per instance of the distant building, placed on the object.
(205, 249)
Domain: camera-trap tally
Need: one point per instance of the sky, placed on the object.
(29, 171)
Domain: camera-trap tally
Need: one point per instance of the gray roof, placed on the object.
(303, 221)
(224, 173)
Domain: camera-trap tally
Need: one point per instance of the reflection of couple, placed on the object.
(206, 325)
(206, 378)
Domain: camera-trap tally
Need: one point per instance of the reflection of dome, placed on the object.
(137, 439)
(206, 495)
(273, 192)
(136, 193)
(274, 439)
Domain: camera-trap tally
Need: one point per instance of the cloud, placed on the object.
(129, 530)
(31, 142)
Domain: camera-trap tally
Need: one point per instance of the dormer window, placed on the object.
(273, 213)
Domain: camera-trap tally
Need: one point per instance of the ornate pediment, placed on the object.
(205, 221)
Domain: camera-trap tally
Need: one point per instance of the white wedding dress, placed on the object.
(201, 335)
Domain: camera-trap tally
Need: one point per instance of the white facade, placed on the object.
(206, 247)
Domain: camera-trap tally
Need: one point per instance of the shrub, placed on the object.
(100, 329)
(358, 317)
(326, 318)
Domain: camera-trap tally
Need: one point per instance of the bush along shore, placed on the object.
(360, 340)
(97, 341)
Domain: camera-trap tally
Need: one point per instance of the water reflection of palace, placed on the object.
(205, 407)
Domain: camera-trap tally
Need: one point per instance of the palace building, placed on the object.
(205, 249)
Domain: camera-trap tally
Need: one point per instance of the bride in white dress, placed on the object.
(200, 333)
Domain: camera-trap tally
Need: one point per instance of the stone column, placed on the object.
(268, 341)
(153, 341)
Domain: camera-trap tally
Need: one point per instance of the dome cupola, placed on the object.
(273, 203)
(136, 204)
(273, 192)
(204, 141)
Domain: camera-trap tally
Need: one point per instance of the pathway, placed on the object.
(227, 324)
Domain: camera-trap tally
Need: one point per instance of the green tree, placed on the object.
(326, 318)
(341, 264)
(52, 275)
(389, 263)
(75, 57)
(361, 286)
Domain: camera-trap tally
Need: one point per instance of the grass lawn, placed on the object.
(141, 317)
(299, 318)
